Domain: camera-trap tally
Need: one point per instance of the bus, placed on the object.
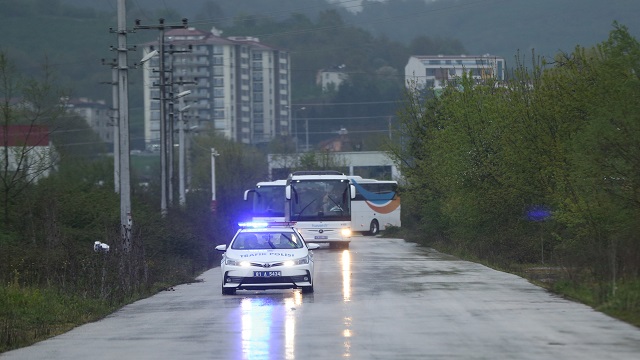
(320, 204)
(267, 201)
(375, 206)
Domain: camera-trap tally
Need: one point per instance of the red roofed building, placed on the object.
(26, 149)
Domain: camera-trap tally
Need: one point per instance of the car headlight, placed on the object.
(301, 261)
(234, 262)
(346, 232)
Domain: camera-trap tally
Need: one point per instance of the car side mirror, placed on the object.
(222, 247)
(313, 246)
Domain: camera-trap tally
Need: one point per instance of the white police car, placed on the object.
(267, 256)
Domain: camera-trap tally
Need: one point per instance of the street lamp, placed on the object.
(296, 127)
(214, 153)
(148, 56)
(182, 152)
(182, 94)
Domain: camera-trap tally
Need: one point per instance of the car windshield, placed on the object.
(266, 240)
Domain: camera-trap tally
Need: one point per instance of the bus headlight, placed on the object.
(346, 232)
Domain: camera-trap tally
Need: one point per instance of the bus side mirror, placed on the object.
(353, 191)
(246, 194)
(287, 192)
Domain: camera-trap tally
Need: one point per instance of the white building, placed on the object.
(98, 116)
(331, 78)
(26, 152)
(436, 71)
(239, 86)
(369, 164)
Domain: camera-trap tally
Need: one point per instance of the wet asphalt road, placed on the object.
(381, 299)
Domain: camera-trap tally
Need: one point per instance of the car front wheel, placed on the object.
(228, 291)
(307, 289)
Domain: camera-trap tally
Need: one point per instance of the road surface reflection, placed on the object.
(263, 319)
(346, 296)
(268, 320)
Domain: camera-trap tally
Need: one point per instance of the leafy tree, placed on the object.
(238, 167)
(544, 167)
(34, 105)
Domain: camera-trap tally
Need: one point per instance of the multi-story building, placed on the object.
(436, 71)
(239, 87)
(98, 116)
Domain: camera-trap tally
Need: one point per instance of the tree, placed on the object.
(238, 168)
(28, 109)
(543, 166)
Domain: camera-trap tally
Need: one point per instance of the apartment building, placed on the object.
(98, 116)
(436, 71)
(240, 87)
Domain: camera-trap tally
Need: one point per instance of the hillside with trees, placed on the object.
(74, 41)
(488, 26)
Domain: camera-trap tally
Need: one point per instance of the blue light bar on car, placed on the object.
(264, 224)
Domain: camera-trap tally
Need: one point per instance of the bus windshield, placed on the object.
(320, 200)
(268, 201)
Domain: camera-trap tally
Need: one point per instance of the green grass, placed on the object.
(29, 315)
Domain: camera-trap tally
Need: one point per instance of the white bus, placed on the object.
(267, 201)
(375, 206)
(320, 204)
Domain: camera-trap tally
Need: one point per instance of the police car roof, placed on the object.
(280, 225)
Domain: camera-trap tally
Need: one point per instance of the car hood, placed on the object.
(267, 255)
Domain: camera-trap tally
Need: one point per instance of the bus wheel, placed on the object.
(374, 227)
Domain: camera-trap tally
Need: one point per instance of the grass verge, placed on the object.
(29, 315)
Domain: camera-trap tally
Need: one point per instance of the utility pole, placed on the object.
(214, 205)
(181, 140)
(126, 219)
(164, 136)
(172, 118)
(115, 121)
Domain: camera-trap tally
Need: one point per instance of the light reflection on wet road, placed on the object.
(381, 299)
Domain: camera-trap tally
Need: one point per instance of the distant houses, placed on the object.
(26, 152)
(98, 116)
(438, 71)
(331, 78)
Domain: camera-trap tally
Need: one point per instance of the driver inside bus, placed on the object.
(330, 201)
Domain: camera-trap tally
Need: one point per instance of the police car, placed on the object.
(265, 256)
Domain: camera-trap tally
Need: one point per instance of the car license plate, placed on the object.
(266, 273)
(321, 237)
